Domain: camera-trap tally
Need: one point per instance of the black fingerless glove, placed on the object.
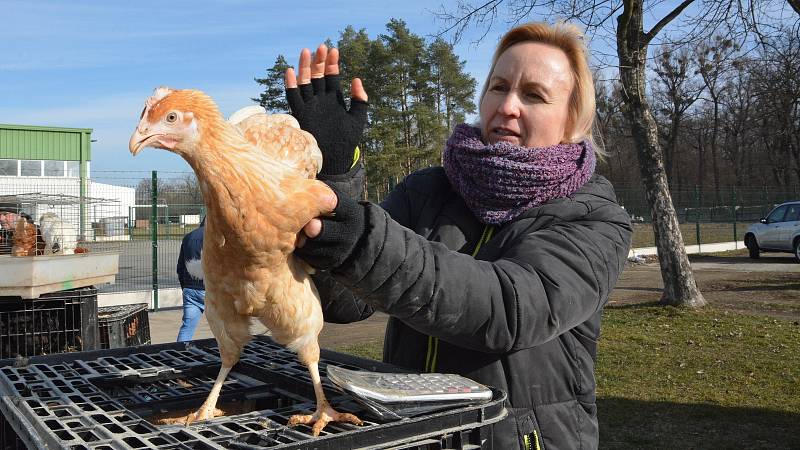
(320, 109)
(341, 233)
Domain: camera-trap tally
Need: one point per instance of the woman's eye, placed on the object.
(172, 117)
(533, 96)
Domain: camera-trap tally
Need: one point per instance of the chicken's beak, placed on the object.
(140, 139)
(135, 144)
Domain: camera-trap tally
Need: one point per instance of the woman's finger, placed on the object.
(304, 67)
(313, 228)
(357, 90)
(290, 79)
(300, 241)
(332, 63)
(318, 68)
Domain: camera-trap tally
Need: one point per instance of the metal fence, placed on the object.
(144, 216)
(164, 206)
(706, 215)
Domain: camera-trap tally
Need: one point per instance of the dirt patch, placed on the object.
(769, 285)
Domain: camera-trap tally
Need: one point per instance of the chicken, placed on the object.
(257, 198)
(8, 222)
(25, 238)
(59, 236)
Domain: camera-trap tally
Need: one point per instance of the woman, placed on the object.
(497, 265)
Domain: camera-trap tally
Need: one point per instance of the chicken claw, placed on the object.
(321, 417)
(203, 414)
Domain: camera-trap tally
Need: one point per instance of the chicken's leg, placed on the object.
(232, 333)
(324, 413)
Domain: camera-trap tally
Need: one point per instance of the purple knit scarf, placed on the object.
(501, 181)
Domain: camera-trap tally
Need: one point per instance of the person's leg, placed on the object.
(193, 307)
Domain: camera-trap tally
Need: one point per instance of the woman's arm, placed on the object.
(542, 284)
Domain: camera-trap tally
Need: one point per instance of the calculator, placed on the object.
(397, 395)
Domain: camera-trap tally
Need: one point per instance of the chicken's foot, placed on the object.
(208, 407)
(324, 413)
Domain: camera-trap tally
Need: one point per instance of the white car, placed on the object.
(778, 232)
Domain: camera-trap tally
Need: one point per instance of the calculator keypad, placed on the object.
(420, 384)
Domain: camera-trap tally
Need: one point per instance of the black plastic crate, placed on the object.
(123, 326)
(57, 322)
(8, 437)
(124, 398)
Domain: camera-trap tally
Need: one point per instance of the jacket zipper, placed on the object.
(527, 439)
(433, 342)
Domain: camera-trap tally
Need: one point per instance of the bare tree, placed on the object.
(674, 93)
(191, 188)
(737, 119)
(713, 58)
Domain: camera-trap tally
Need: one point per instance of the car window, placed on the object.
(793, 213)
(777, 214)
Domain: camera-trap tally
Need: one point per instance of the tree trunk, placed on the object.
(680, 287)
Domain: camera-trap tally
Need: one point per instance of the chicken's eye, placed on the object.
(172, 117)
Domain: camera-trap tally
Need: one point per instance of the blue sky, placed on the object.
(91, 64)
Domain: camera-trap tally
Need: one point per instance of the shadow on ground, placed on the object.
(776, 258)
(635, 424)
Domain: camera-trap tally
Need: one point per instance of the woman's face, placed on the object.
(527, 100)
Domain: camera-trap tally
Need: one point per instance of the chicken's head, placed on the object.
(172, 120)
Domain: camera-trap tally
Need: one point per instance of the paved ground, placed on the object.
(164, 327)
(135, 264)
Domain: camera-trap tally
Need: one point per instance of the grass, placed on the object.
(370, 349)
(670, 378)
(680, 378)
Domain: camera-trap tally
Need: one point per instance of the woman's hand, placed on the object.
(327, 241)
(318, 105)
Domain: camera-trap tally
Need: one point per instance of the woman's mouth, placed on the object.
(505, 135)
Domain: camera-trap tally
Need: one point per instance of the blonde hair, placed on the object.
(569, 39)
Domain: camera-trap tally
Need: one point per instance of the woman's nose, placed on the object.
(509, 105)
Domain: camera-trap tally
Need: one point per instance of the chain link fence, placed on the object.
(706, 215)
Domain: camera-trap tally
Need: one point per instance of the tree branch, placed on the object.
(665, 20)
(795, 4)
(464, 20)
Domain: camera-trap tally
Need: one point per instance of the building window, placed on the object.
(30, 168)
(54, 168)
(8, 168)
(73, 169)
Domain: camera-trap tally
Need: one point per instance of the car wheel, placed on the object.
(797, 249)
(752, 247)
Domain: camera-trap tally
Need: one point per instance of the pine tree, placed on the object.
(274, 98)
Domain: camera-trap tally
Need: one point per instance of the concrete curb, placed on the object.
(692, 249)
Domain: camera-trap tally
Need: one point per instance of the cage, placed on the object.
(57, 322)
(47, 245)
(123, 326)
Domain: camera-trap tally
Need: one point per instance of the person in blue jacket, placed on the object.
(190, 275)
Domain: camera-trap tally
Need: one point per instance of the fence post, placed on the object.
(735, 235)
(697, 217)
(154, 237)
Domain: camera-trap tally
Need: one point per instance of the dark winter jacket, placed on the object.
(522, 315)
(191, 248)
